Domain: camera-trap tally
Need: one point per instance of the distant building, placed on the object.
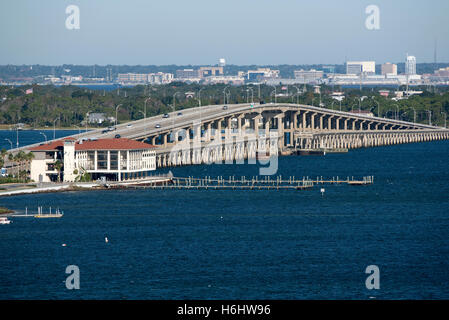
(187, 74)
(222, 62)
(116, 159)
(235, 80)
(153, 78)
(261, 74)
(442, 72)
(210, 71)
(132, 77)
(308, 76)
(329, 69)
(338, 95)
(358, 67)
(389, 68)
(160, 78)
(384, 93)
(97, 118)
(410, 65)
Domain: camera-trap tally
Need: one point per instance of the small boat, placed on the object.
(4, 220)
(40, 214)
(311, 152)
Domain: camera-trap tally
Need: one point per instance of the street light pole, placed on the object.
(252, 94)
(397, 113)
(9, 141)
(378, 107)
(224, 95)
(275, 101)
(145, 116)
(116, 115)
(45, 136)
(174, 110)
(17, 136)
(54, 128)
(297, 94)
(199, 96)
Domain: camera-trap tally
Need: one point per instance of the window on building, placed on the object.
(114, 160)
(123, 160)
(102, 160)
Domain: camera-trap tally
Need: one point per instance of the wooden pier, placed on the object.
(254, 183)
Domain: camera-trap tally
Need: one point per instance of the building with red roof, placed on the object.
(116, 159)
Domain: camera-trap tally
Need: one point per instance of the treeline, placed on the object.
(68, 106)
(13, 72)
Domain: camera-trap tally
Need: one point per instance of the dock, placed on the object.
(255, 183)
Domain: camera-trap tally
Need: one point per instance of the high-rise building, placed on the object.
(389, 68)
(358, 67)
(410, 65)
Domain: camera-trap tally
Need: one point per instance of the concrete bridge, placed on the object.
(244, 131)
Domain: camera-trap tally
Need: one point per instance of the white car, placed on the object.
(129, 125)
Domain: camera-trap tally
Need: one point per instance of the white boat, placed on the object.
(4, 220)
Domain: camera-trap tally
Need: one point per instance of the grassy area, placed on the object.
(4, 180)
(5, 210)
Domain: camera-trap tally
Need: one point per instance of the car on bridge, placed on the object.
(225, 107)
(117, 136)
(166, 115)
(179, 113)
(157, 126)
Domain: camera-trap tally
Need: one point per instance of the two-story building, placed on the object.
(116, 159)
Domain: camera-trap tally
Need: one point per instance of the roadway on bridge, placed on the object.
(144, 127)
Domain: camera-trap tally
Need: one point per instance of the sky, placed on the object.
(199, 32)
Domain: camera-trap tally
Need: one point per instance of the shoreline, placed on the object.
(84, 186)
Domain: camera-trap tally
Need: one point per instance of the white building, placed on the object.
(116, 159)
(153, 78)
(358, 67)
(308, 76)
(410, 65)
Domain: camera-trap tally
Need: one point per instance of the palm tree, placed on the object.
(18, 159)
(3, 154)
(58, 167)
(28, 158)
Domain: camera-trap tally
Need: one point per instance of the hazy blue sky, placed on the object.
(202, 31)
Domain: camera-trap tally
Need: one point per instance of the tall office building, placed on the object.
(389, 68)
(410, 65)
(358, 67)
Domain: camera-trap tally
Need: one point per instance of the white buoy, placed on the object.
(106, 239)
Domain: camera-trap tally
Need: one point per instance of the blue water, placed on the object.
(224, 244)
(26, 137)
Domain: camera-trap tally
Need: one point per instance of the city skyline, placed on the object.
(200, 33)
